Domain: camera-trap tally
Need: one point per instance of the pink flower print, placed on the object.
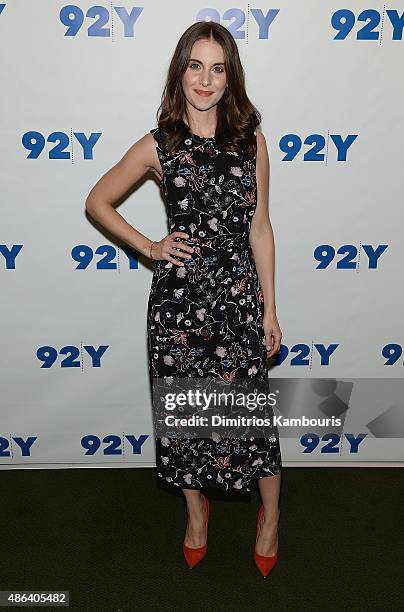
(253, 370)
(201, 314)
(179, 181)
(258, 461)
(181, 338)
(186, 158)
(230, 375)
(221, 351)
(168, 360)
(213, 224)
(239, 287)
(251, 196)
(181, 272)
(236, 171)
(188, 478)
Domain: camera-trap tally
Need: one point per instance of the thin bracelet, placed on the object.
(154, 242)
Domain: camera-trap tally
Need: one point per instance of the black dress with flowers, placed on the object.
(204, 319)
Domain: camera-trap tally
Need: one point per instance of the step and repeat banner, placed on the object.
(81, 83)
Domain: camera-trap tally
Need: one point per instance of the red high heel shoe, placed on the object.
(264, 564)
(194, 555)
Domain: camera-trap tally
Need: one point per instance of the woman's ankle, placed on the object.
(195, 504)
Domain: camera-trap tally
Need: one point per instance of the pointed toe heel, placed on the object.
(263, 563)
(194, 555)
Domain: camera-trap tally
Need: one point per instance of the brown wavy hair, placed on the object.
(237, 118)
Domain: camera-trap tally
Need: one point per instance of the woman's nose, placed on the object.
(205, 77)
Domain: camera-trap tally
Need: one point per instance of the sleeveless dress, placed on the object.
(205, 318)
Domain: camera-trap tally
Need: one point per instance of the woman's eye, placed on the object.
(218, 69)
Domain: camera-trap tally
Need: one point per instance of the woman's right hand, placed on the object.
(167, 247)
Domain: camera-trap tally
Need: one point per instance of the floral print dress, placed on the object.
(205, 318)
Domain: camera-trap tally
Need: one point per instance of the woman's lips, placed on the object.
(203, 93)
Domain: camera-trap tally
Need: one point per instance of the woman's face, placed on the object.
(205, 74)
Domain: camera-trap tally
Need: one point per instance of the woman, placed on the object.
(211, 310)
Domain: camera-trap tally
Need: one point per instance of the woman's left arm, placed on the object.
(263, 247)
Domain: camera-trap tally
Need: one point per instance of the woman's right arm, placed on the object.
(137, 161)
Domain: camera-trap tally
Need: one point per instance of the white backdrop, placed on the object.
(80, 84)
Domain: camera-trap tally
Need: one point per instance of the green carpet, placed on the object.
(113, 538)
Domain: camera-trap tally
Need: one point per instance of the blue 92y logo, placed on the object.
(35, 142)
(84, 255)
(311, 441)
(305, 354)
(93, 443)
(96, 18)
(326, 253)
(375, 24)
(72, 356)
(237, 19)
(319, 151)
